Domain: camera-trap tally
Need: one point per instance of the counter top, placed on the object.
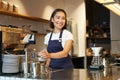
(109, 73)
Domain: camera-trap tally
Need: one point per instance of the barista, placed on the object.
(59, 42)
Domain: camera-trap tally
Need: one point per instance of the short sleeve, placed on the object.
(46, 39)
(67, 35)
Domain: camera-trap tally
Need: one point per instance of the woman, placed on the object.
(59, 42)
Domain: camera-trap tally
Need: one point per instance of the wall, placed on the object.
(38, 8)
(115, 31)
(77, 14)
(43, 8)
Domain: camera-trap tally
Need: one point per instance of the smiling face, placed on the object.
(59, 20)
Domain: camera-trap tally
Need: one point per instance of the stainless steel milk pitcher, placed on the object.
(34, 69)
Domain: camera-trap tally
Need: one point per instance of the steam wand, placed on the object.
(26, 59)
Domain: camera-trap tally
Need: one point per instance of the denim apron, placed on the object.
(56, 46)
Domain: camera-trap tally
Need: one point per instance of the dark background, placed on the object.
(97, 14)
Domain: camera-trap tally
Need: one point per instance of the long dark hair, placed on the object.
(53, 14)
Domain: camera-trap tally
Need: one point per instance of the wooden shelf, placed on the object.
(14, 14)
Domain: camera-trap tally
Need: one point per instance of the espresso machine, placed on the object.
(9, 40)
(27, 40)
(96, 63)
(36, 67)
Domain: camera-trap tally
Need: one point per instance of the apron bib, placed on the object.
(56, 46)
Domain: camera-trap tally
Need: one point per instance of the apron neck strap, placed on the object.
(60, 36)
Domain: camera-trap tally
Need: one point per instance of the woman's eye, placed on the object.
(63, 18)
(58, 17)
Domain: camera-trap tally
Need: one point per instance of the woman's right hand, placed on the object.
(44, 54)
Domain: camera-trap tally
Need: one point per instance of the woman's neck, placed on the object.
(57, 30)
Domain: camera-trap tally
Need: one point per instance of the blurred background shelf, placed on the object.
(14, 14)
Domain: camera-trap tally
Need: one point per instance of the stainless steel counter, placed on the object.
(111, 73)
